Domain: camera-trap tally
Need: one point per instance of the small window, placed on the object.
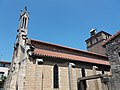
(2, 65)
(88, 44)
(25, 23)
(1, 74)
(55, 76)
(83, 72)
(96, 39)
(22, 22)
(103, 72)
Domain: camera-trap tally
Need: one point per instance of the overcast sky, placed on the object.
(63, 22)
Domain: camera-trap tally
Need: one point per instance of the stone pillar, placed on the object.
(72, 77)
(39, 76)
(95, 81)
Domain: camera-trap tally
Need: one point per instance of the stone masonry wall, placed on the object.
(40, 77)
(113, 51)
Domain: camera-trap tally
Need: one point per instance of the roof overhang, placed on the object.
(47, 53)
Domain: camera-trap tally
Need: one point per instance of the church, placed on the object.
(38, 65)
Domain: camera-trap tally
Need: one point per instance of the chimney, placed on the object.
(93, 32)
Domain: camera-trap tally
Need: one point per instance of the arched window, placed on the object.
(83, 72)
(103, 72)
(24, 22)
(55, 76)
(23, 19)
(84, 81)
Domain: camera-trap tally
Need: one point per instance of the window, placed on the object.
(83, 72)
(103, 72)
(55, 76)
(2, 65)
(94, 41)
(88, 44)
(1, 74)
(84, 81)
(24, 22)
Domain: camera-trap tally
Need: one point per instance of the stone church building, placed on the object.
(38, 65)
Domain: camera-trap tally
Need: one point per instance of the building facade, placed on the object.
(94, 43)
(112, 46)
(38, 65)
(4, 67)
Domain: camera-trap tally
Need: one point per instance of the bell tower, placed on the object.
(23, 26)
(94, 43)
(24, 16)
(17, 70)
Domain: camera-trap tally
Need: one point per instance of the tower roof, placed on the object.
(25, 12)
(98, 34)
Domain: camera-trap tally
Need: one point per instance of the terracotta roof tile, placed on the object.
(47, 53)
(82, 51)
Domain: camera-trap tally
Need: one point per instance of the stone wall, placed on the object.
(40, 77)
(113, 52)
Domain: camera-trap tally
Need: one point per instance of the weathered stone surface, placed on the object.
(113, 50)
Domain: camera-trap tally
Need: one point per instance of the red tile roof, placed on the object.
(82, 51)
(104, 43)
(47, 53)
